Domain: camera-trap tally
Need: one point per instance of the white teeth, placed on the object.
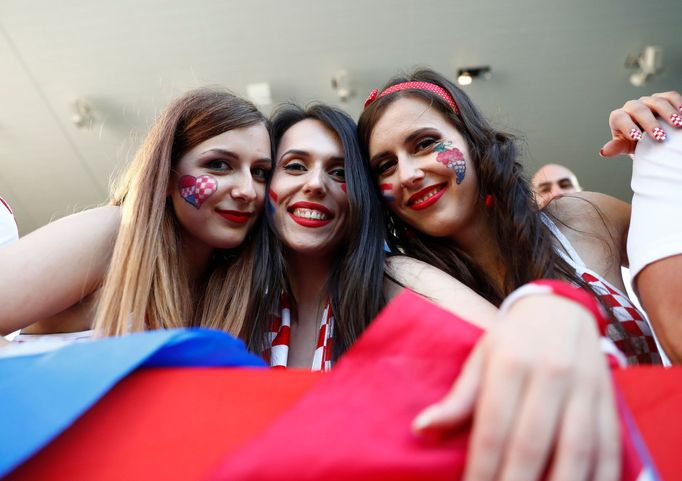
(310, 214)
(428, 196)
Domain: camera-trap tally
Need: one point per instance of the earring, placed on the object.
(489, 201)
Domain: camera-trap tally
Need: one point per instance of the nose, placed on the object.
(314, 182)
(410, 174)
(244, 190)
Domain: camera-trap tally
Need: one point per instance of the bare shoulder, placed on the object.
(439, 287)
(65, 261)
(592, 212)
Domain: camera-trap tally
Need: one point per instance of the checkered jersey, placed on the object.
(277, 354)
(630, 330)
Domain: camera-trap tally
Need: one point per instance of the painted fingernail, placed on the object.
(658, 134)
(676, 120)
(635, 134)
(601, 153)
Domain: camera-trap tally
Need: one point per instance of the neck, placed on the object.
(308, 276)
(197, 256)
(479, 242)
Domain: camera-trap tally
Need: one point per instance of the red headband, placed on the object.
(429, 87)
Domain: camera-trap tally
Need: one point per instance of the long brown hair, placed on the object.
(146, 286)
(524, 243)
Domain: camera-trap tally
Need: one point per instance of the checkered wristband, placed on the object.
(568, 291)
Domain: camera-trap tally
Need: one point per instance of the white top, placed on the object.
(8, 226)
(656, 221)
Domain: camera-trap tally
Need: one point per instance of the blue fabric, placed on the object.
(43, 394)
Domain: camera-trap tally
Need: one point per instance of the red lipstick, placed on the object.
(412, 201)
(237, 216)
(307, 222)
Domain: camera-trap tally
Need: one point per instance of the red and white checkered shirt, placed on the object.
(630, 331)
(277, 354)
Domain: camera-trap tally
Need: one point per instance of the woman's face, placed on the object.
(218, 187)
(423, 168)
(308, 189)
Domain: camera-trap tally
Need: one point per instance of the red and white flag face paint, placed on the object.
(387, 192)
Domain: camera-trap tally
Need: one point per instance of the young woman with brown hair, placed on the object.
(455, 198)
(177, 247)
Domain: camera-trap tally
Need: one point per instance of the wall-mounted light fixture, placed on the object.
(259, 94)
(648, 63)
(467, 75)
(83, 115)
(342, 86)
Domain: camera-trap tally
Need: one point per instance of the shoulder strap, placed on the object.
(568, 253)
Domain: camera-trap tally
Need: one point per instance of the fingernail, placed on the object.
(658, 134)
(635, 134)
(423, 420)
(676, 120)
(601, 152)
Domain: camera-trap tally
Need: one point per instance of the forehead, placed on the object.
(311, 136)
(401, 117)
(247, 141)
(552, 173)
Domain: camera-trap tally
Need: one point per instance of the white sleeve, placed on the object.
(656, 221)
(8, 226)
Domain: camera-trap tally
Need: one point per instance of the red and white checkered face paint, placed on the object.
(195, 190)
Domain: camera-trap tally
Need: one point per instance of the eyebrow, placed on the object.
(229, 153)
(306, 154)
(410, 138)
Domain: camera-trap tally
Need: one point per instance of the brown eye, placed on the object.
(385, 167)
(425, 143)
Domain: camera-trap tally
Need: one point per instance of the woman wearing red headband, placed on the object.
(456, 199)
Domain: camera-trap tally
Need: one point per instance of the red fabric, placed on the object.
(654, 396)
(355, 424)
(167, 424)
(177, 424)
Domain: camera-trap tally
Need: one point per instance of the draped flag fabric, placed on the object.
(355, 423)
(351, 423)
(42, 394)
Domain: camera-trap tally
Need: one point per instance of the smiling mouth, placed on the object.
(237, 216)
(426, 197)
(309, 214)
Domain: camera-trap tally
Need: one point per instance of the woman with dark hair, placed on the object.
(456, 199)
(327, 221)
(177, 247)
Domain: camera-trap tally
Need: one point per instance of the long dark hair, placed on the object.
(355, 283)
(524, 243)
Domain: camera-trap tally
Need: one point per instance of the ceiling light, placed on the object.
(466, 75)
(648, 63)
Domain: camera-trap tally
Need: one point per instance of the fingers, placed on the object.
(458, 404)
(608, 438)
(495, 413)
(531, 442)
(643, 115)
(577, 439)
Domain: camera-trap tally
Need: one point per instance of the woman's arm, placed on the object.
(440, 288)
(655, 237)
(55, 267)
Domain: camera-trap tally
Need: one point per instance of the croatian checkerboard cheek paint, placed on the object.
(452, 158)
(387, 192)
(195, 190)
(343, 188)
